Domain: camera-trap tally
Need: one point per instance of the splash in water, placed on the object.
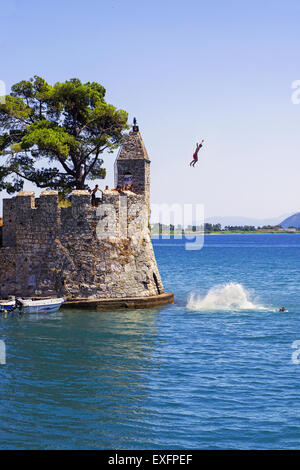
(230, 296)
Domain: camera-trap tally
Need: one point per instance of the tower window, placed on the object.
(156, 283)
(128, 179)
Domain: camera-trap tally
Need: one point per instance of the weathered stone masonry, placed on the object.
(133, 160)
(80, 252)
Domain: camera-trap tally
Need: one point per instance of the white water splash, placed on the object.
(230, 296)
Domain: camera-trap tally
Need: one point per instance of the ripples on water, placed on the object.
(214, 372)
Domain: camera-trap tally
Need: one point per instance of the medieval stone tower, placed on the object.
(85, 253)
(132, 165)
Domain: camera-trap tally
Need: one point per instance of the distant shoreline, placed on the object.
(258, 232)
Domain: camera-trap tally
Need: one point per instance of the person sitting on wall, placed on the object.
(93, 194)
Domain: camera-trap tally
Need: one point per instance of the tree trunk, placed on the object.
(80, 179)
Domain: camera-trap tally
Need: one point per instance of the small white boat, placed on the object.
(32, 306)
(39, 306)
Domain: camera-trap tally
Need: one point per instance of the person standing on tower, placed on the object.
(135, 127)
(93, 194)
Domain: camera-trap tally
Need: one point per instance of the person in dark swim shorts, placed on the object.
(93, 194)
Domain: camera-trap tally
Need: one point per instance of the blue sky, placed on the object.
(187, 70)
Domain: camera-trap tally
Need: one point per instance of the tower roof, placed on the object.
(133, 147)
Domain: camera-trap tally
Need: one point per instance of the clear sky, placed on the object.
(187, 69)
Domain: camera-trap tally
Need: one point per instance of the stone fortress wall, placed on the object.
(82, 251)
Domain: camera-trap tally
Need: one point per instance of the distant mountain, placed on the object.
(292, 221)
(241, 220)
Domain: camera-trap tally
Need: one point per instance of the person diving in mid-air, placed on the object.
(195, 156)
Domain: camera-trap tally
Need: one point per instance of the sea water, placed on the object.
(219, 369)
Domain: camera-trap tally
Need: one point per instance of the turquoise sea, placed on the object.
(212, 371)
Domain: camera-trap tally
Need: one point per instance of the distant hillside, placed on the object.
(292, 221)
(240, 220)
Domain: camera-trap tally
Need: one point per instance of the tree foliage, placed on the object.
(54, 136)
